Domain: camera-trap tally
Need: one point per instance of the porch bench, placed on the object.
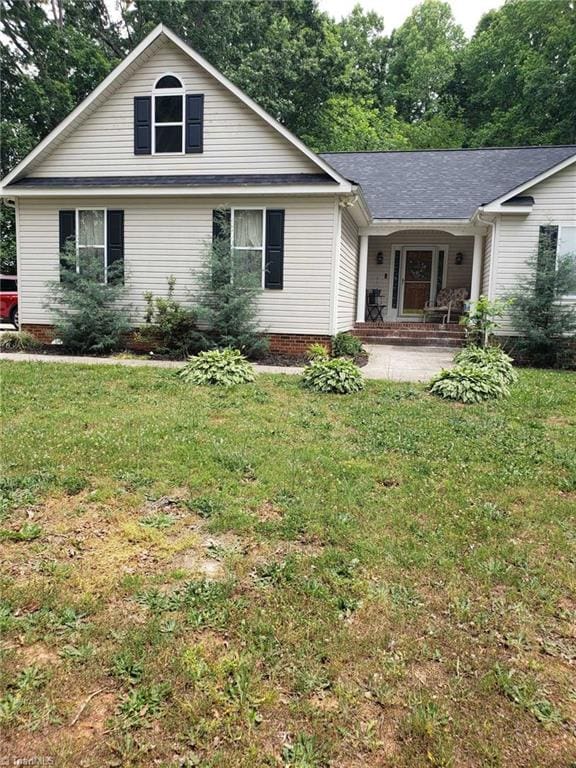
(449, 302)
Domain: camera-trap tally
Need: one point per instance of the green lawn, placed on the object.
(268, 577)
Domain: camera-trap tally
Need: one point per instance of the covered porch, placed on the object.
(408, 269)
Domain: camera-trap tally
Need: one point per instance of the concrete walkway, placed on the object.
(386, 362)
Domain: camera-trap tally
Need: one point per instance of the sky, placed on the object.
(466, 12)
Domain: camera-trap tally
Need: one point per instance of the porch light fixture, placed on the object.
(459, 258)
(379, 258)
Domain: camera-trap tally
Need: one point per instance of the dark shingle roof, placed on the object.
(442, 184)
(182, 180)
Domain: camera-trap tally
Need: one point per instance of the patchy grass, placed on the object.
(267, 577)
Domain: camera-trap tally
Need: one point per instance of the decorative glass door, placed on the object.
(417, 280)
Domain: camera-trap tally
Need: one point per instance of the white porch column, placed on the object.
(362, 276)
(476, 268)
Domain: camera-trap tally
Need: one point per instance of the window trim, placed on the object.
(250, 248)
(77, 239)
(569, 296)
(169, 92)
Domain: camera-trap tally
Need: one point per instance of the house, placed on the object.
(135, 174)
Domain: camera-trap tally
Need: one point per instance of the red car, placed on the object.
(9, 299)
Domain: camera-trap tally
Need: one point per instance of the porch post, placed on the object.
(476, 268)
(362, 275)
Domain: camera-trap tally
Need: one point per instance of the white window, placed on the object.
(248, 243)
(91, 242)
(168, 116)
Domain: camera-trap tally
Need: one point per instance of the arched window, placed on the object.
(168, 112)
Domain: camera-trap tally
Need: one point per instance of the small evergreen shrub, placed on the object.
(317, 352)
(172, 324)
(339, 375)
(218, 367)
(89, 316)
(18, 341)
(469, 383)
(546, 324)
(227, 297)
(346, 345)
(493, 358)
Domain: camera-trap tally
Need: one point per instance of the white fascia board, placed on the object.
(453, 226)
(156, 33)
(490, 206)
(11, 193)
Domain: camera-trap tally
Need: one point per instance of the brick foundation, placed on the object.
(44, 333)
(289, 344)
(295, 345)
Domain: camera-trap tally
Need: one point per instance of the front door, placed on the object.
(417, 280)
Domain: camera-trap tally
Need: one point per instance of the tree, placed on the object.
(347, 124)
(226, 297)
(518, 75)
(542, 319)
(423, 55)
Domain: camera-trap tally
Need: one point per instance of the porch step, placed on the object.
(421, 334)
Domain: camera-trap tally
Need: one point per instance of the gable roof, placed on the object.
(445, 183)
(127, 65)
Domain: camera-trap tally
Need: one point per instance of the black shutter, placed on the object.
(221, 267)
(142, 125)
(67, 235)
(194, 123)
(396, 279)
(115, 246)
(547, 244)
(274, 257)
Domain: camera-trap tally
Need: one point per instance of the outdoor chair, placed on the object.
(449, 304)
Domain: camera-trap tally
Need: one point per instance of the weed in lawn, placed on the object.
(160, 521)
(127, 668)
(26, 532)
(77, 654)
(304, 752)
(525, 692)
(142, 704)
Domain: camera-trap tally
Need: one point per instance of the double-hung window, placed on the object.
(168, 115)
(248, 244)
(91, 242)
(566, 243)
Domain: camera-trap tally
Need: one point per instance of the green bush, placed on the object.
(493, 358)
(218, 367)
(18, 341)
(317, 352)
(89, 316)
(174, 325)
(469, 383)
(346, 345)
(227, 298)
(339, 375)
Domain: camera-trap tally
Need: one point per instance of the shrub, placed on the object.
(346, 345)
(18, 341)
(317, 352)
(218, 367)
(481, 320)
(174, 325)
(89, 317)
(469, 383)
(339, 375)
(543, 322)
(227, 298)
(493, 358)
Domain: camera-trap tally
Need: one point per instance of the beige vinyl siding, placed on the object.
(168, 236)
(517, 235)
(236, 139)
(457, 275)
(486, 262)
(348, 267)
